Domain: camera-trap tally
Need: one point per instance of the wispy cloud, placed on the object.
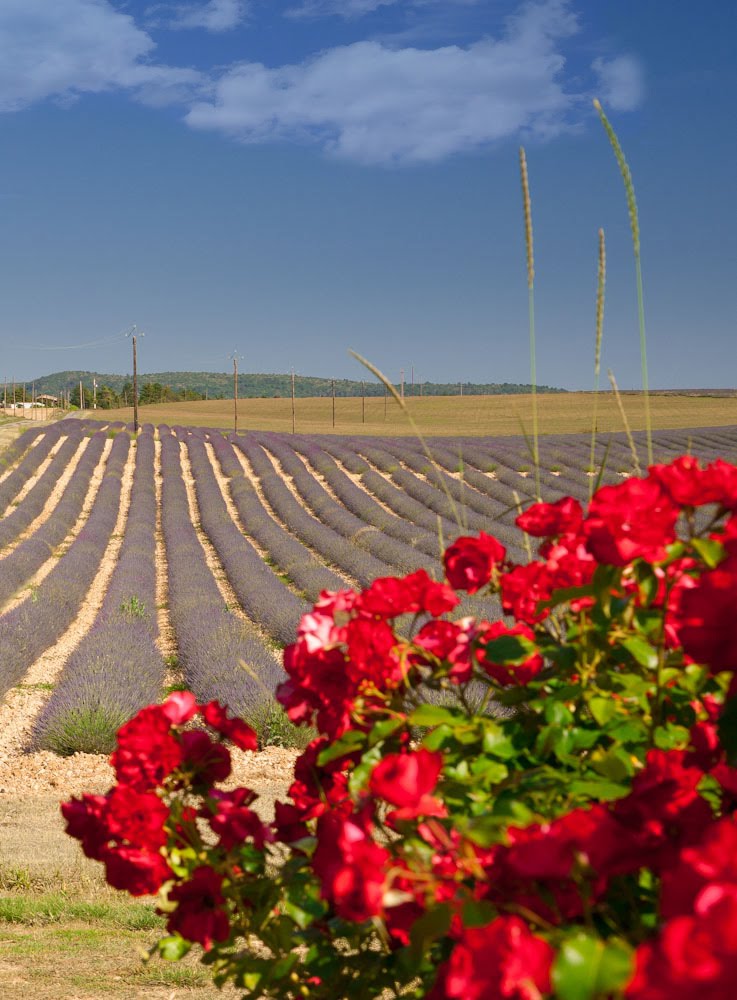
(374, 104)
(351, 9)
(67, 48)
(620, 82)
(215, 16)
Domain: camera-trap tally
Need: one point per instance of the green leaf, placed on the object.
(597, 790)
(431, 925)
(348, 743)
(477, 914)
(433, 715)
(641, 651)
(587, 967)
(381, 730)
(509, 649)
(173, 948)
(496, 742)
(670, 737)
(602, 709)
(437, 737)
(614, 764)
(711, 551)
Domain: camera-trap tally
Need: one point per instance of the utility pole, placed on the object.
(402, 383)
(293, 418)
(94, 393)
(332, 381)
(460, 386)
(132, 334)
(81, 396)
(235, 393)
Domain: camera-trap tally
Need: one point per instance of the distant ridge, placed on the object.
(216, 384)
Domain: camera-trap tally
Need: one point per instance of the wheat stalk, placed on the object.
(629, 188)
(600, 288)
(625, 421)
(527, 208)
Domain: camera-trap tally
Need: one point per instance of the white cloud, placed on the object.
(374, 104)
(348, 9)
(66, 48)
(620, 82)
(214, 16)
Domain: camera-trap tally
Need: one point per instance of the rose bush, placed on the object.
(543, 806)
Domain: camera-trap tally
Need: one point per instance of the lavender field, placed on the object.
(184, 557)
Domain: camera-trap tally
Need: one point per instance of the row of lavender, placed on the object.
(309, 514)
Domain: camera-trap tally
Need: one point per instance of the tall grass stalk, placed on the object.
(600, 287)
(635, 227)
(527, 208)
(413, 424)
(625, 421)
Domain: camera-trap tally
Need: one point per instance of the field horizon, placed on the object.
(443, 416)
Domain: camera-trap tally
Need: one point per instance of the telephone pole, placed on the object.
(133, 335)
(94, 393)
(293, 419)
(401, 372)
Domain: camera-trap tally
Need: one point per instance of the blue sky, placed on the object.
(291, 180)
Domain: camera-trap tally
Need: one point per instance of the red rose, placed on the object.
(209, 761)
(449, 641)
(200, 915)
(147, 751)
(470, 562)
(137, 870)
(233, 729)
(179, 707)
(391, 596)
(545, 520)
(351, 867)
(703, 617)
(501, 960)
(523, 588)
(86, 820)
(138, 817)
(234, 821)
(635, 519)
(406, 780)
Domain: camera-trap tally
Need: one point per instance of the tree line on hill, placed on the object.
(114, 391)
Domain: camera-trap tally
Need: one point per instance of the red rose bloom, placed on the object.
(147, 750)
(200, 915)
(470, 562)
(523, 588)
(391, 596)
(137, 817)
(351, 867)
(234, 821)
(501, 960)
(139, 871)
(406, 780)
(87, 821)
(703, 617)
(233, 729)
(546, 520)
(635, 519)
(209, 761)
